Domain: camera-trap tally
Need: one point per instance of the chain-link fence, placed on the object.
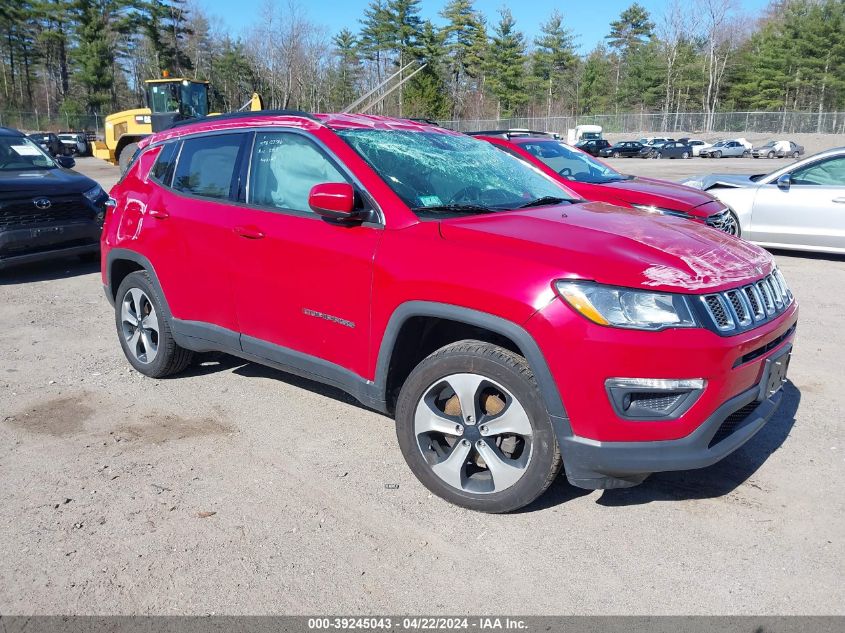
(637, 123)
(56, 122)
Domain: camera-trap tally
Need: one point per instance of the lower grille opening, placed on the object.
(643, 402)
(732, 423)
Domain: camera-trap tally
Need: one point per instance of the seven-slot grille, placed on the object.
(24, 213)
(742, 308)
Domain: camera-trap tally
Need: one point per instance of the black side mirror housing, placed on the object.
(67, 162)
(784, 182)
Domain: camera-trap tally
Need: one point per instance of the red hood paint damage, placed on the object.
(617, 246)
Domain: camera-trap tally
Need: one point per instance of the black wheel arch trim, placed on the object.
(523, 340)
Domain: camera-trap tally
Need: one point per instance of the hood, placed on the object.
(42, 182)
(659, 193)
(616, 246)
(724, 180)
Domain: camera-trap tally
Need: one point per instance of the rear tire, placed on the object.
(144, 329)
(449, 448)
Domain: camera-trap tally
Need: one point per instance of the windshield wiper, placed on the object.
(455, 208)
(542, 202)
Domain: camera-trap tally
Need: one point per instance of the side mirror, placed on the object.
(66, 161)
(784, 182)
(333, 200)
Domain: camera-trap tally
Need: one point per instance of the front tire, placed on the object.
(717, 154)
(144, 329)
(770, 155)
(473, 428)
(615, 154)
(685, 155)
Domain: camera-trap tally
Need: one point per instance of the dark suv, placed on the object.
(46, 210)
(507, 326)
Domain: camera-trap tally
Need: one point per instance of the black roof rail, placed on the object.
(241, 115)
(510, 133)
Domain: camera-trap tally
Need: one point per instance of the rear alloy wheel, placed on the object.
(144, 331)
(473, 428)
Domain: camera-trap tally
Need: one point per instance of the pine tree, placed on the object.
(597, 75)
(553, 60)
(632, 30)
(427, 94)
(347, 73)
(464, 44)
(506, 66)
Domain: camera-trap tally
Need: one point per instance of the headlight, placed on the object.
(662, 210)
(94, 193)
(625, 308)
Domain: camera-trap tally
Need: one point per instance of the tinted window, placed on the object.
(161, 171)
(284, 168)
(206, 165)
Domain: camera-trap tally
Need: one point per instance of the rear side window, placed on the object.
(206, 165)
(162, 169)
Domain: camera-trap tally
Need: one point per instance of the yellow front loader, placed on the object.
(169, 100)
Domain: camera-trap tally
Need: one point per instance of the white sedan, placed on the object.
(800, 206)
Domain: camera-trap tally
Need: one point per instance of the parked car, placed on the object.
(471, 283)
(655, 140)
(591, 179)
(800, 206)
(75, 143)
(46, 210)
(725, 149)
(697, 145)
(594, 146)
(623, 148)
(778, 149)
(672, 149)
(49, 142)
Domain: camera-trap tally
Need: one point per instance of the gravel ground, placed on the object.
(238, 489)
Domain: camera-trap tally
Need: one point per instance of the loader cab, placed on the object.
(172, 100)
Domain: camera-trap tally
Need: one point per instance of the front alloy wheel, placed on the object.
(473, 433)
(473, 428)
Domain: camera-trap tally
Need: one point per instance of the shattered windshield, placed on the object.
(572, 164)
(436, 173)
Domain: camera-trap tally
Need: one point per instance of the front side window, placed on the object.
(572, 164)
(20, 153)
(826, 173)
(437, 172)
(206, 165)
(284, 169)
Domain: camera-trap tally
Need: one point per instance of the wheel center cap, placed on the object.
(472, 433)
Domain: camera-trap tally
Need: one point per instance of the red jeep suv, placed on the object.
(592, 179)
(508, 328)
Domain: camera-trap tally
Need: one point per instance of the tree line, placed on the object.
(92, 56)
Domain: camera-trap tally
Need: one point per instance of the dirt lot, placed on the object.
(238, 489)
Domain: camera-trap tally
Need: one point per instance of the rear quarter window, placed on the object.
(162, 170)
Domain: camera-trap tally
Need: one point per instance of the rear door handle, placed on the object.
(839, 200)
(249, 232)
(158, 215)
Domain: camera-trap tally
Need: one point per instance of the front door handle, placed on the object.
(839, 200)
(249, 232)
(158, 215)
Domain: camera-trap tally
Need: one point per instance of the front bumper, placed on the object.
(596, 465)
(36, 243)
